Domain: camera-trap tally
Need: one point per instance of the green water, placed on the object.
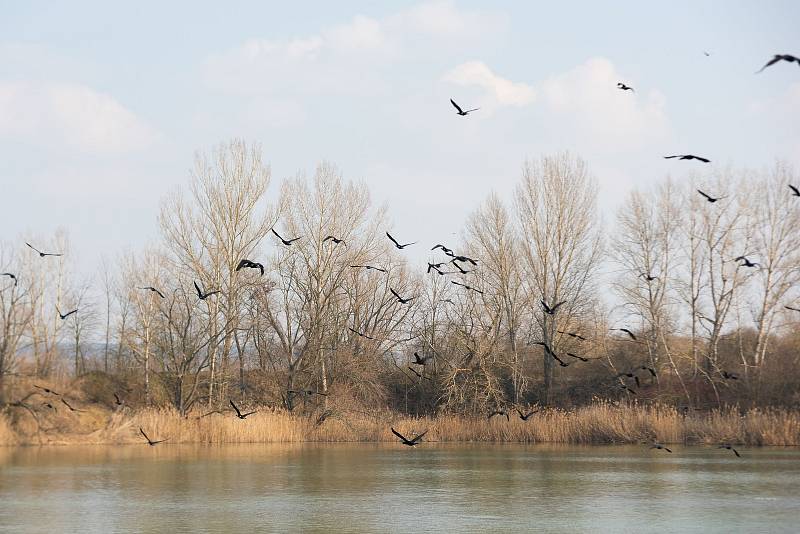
(391, 488)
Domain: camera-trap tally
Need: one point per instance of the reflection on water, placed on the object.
(382, 487)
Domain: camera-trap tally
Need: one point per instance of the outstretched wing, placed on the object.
(392, 239)
(145, 435)
(769, 63)
(395, 294)
(418, 438)
(235, 408)
(456, 106)
(199, 291)
(398, 434)
(795, 190)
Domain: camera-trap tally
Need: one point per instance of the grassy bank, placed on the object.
(598, 423)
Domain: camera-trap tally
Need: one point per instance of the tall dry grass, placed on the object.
(601, 422)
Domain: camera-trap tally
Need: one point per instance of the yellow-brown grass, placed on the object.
(601, 422)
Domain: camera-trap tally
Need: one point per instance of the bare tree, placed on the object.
(15, 315)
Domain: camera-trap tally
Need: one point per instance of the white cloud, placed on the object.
(500, 91)
(70, 115)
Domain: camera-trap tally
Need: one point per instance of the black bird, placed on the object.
(400, 299)
(525, 416)
(201, 295)
(630, 375)
(706, 53)
(650, 369)
(420, 360)
(42, 254)
(65, 315)
(13, 277)
(462, 259)
(729, 376)
(632, 336)
(150, 441)
(795, 191)
(446, 250)
(745, 262)
(572, 334)
(688, 157)
(286, 242)
(435, 267)
(551, 310)
(117, 400)
(460, 111)
(247, 264)
(793, 309)
(406, 441)
(648, 277)
(499, 412)
(779, 57)
(359, 333)
(154, 290)
(239, 414)
(336, 240)
(624, 87)
(466, 287)
(368, 267)
(398, 245)
(417, 373)
(48, 405)
(581, 358)
(460, 269)
(549, 351)
(709, 197)
(659, 447)
(70, 407)
(730, 448)
(622, 385)
(46, 390)
(450, 301)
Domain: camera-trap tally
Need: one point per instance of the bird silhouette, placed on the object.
(117, 400)
(779, 57)
(688, 157)
(729, 376)
(624, 87)
(201, 295)
(398, 245)
(406, 441)
(709, 197)
(460, 270)
(335, 240)
(47, 390)
(450, 301)
(551, 310)
(446, 250)
(70, 407)
(660, 447)
(793, 309)
(65, 315)
(150, 441)
(463, 259)
(648, 277)
(286, 242)
(239, 414)
(435, 267)
(629, 374)
(526, 416)
(745, 262)
(460, 111)
(551, 353)
(154, 290)
(581, 358)
(572, 334)
(417, 373)
(630, 334)
(795, 191)
(12, 276)
(420, 360)
(400, 299)
(360, 334)
(499, 412)
(650, 369)
(730, 448)
(247, 264)
(369, 267)
(42, 254)
(466, 287)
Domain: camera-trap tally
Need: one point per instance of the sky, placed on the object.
(103, 105)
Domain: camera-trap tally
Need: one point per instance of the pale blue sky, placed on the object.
(103, 105)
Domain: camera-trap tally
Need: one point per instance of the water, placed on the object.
(391, 488)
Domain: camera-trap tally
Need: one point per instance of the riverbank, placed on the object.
(599, 423)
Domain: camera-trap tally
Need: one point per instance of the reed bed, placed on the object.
(598, 423)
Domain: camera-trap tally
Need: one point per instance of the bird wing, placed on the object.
(704, 160)
(392, 239)
(34, 248)
(242, 264)
(145, 435)
(398, 434)
(235, 408)
(295, 239)
(456, 106)
(327, 238)
(769, 63)
(395, 294)
(259, 266)
(417, 438)
(276, 233)
(471, 110)
(795, 190)
(670, 157)
(736, 452)
(249, 413)
(199, 291)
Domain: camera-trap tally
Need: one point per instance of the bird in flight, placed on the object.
(660, 447)
(525, 416)
(70, 407)
(650, 369)
(572, 334)
(648, 277)
(150, 441)
(406, 441)
(710, 198)
(286, 242)
(154, 290)
(499, 412)
(12, 276)
(239, 414)
(688, 157)
(435, 267)
(631, 334)
(779, 57)
(400, 299)
(793, 309)
(398, 245)
(201, 295)
(466, 287)
(460, 111)
(359, 333)
(745, 262)
(117, 400)
(730, 448)
(368, 267)
(247, 264)
(551, 310)
(581, 358)
(420, 360)
(462, 259)
(629, 375)
(335, 240)
(460, 269)
(65, 315)
(42, 254)
(729, 376)
(417, 373)
(446, 250)
(549, 351)
(624, 87)
(46, 390)
(795, 191)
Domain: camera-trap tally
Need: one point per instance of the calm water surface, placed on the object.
(390, 488)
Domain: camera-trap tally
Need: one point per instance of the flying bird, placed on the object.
(650, 369)
(581, 358)
(239, 414)
(624, 87)
(70, 407)
(462, 259)
(12, 276)
(435, 267)
(420, 360)
(745, 262)
(65, 315)
(648, 277)
(398, 245)
(499, 412)
(460, 111)
(779, 57)
(466, 287)
(460, 269)
(369, 267)
(525, 416)
(201, 295)
(417, 373)
(286, 242)
(400, 299)
(795, 191)
(247, 264)
(729, 376)
(730, 448)
(46, 390)
(406, 441)
(117, 400)
(150, 441)
(572, 334)
(446, 250)
(359, 333)
(42, 254)
(659, 447)
(154, 290)
(793, 309)
(551, 310)
(688, 157)
(631, 334)
(335, 240)
(709, 197)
